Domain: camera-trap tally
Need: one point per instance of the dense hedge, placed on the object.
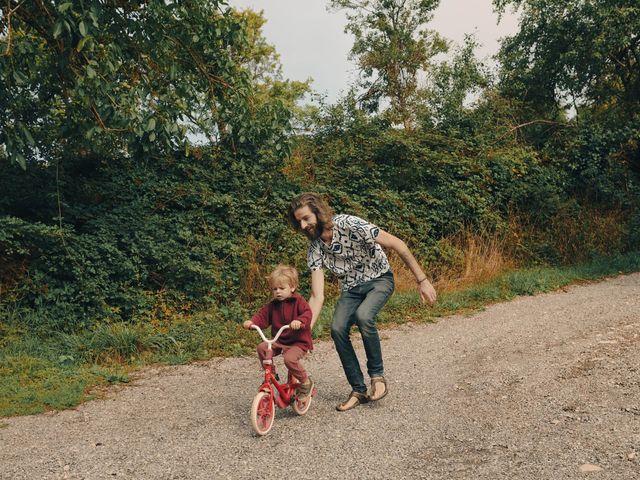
(138, 239)
(152, 240)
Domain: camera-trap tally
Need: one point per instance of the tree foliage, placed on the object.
(124, 78)
(140, 239)
(575, 52)
(392, 46)
(453, 85)
(117, 213)
(576, 63)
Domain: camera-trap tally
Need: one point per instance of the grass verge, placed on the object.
(63, 370)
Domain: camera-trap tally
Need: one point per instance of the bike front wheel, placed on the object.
(263, 413)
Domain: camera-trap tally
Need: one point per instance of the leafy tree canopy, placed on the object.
(127, 78)
(574, 52)
(392, 45)
(453, 85)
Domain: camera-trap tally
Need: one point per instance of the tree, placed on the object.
(574, 53)
(576, 58)
(262, 63)
(581, 57)
(108, 215)
(124, 78)
(392, 46)
(453, 84)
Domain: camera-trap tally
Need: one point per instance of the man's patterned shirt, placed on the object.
(353, 256)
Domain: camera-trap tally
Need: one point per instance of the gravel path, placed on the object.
(544, 387)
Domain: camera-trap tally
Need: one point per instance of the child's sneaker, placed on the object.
(305, 389)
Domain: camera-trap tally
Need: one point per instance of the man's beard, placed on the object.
(315, 232)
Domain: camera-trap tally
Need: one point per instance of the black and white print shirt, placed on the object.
(353, 256)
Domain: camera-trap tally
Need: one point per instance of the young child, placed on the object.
(287, 308)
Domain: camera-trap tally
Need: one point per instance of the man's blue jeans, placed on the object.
(360, 306)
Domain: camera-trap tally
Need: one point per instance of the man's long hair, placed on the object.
(317, 205)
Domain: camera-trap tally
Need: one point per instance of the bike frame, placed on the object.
(285, 391)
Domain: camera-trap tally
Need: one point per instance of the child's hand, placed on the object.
(247, 324)
(295, 325)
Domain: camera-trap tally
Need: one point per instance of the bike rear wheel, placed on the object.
(263, 413)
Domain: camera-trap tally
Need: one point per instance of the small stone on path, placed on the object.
(589, 467)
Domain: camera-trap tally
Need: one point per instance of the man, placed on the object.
(352, 249)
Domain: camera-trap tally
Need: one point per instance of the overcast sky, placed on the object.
(312, 43)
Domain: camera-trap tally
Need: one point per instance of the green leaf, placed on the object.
(83, 29)
(19, 77)
(57, 29)
(90, 132)
(65, 6)
(81, 43)
(151, 124)
(19, 158)
(27, 135)
(91, 73)
(94, 17)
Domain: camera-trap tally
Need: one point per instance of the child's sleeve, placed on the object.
(303, 313)
(263, 317)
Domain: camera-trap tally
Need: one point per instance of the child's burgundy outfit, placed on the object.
(294, 343)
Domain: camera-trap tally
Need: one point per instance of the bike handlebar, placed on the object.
(274, 339)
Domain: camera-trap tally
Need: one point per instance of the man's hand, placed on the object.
(247, 324)
(427, 292)
(295, 325)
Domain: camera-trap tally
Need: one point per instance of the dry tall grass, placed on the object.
(573, 235)
(472, 258)
(483, 258)
(578, 235)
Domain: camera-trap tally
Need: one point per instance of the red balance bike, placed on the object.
(272, 393)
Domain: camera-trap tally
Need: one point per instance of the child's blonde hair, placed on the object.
(284, 272)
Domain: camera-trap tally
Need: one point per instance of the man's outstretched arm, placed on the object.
(316, 299)
(427, 292)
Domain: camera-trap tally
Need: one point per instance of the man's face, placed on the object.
(308, 222)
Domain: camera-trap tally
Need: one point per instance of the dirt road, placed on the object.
(544, 387)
